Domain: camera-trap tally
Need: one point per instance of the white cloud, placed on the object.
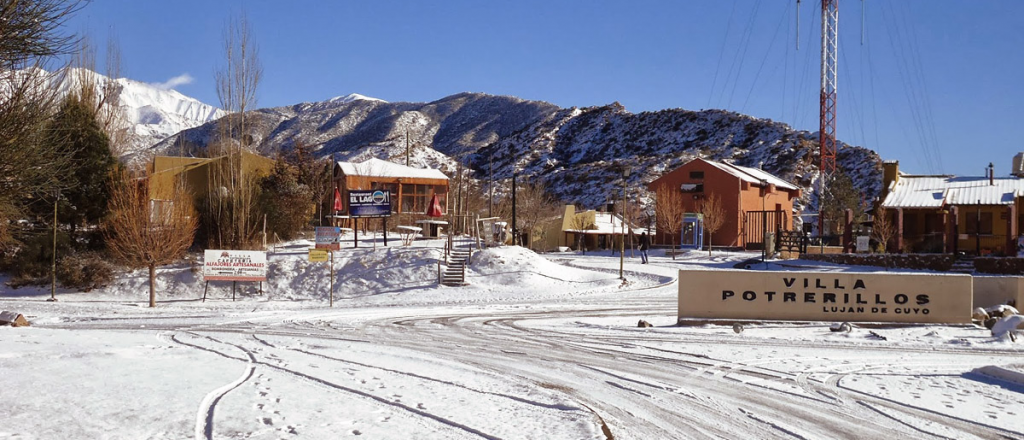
(175, 82)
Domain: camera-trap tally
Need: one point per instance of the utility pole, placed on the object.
(490, 186)
(53, 281)
(622, 240)
(515, 232)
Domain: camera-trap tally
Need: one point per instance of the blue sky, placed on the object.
(936, 84)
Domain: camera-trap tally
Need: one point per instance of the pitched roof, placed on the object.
(381, 168)
(751, 175)
(909, 191)
(604, 223)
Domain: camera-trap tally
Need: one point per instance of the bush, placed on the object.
(84, 271)
(31, 261)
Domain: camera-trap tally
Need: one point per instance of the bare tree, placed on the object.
(145, 233)
(238, 80)
(534, 204)
(669, 212)
(714, 216)
(233, 192)
(579, 224)
(883, 228)
(31, 30)
(30, 36)
(103, 93)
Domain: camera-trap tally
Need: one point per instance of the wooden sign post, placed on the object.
(320, 256)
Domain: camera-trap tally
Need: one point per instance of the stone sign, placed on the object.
(818, 296)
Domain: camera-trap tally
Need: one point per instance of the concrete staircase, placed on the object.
(455, 273)
(963, 264)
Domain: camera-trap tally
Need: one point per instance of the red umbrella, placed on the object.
(435, 207)
(337, 200)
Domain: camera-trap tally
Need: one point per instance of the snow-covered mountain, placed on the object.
(580, 153)
(151, 113)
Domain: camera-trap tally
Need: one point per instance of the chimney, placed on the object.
(991, 174)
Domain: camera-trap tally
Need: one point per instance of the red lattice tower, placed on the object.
(829, 69)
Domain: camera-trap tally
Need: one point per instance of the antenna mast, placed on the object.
(829, 69)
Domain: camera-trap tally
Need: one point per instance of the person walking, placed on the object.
(645, 244)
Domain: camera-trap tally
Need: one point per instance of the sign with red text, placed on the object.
(228, 265)
(327, 237)
(825, 296)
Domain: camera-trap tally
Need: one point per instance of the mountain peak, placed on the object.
(352, 97)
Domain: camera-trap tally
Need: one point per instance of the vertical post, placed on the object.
(849, 245)
(764, 223)
(385, 231)
(899, 230)
(206, 289)
(515, 231)
(1011, 230)
(332, 278)
(233, 290)
(977, 231)
(622, 239)
(53, 274)
(955, 213)
(490, 186)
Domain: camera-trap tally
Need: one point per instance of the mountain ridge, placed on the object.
(580, 153)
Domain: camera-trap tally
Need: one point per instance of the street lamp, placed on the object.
(622, 240)
(764, 223)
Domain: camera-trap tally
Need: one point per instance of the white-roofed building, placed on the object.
(944, 213)
(411, 188)
(754, 201)
(594, 230)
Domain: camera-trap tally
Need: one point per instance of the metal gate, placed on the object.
(754, 226)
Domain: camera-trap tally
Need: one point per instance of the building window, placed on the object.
(973, 227)
(160, 212)
(697, 175)
(692, 187)
(416, 198)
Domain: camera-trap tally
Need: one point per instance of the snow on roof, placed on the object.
(752, 175)
(381, 168)
(604, 223)
(911, 191)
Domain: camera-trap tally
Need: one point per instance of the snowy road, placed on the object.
(557, 368)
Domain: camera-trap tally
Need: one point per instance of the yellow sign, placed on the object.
(318, 255)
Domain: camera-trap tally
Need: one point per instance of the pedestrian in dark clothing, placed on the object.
(645, 244)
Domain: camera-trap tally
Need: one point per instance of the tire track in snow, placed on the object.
(338, 387)
(205, 412)
(425, 378)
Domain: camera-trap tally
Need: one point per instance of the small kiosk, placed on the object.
(692, 232)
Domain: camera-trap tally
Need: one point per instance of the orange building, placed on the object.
(411, 188)
(751, 198)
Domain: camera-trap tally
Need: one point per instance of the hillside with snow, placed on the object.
(580, 153)
(151, 113)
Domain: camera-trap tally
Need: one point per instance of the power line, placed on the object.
(767, 52)
(721, 53)
(742, 53)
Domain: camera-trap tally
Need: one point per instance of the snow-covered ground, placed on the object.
(535, 347)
